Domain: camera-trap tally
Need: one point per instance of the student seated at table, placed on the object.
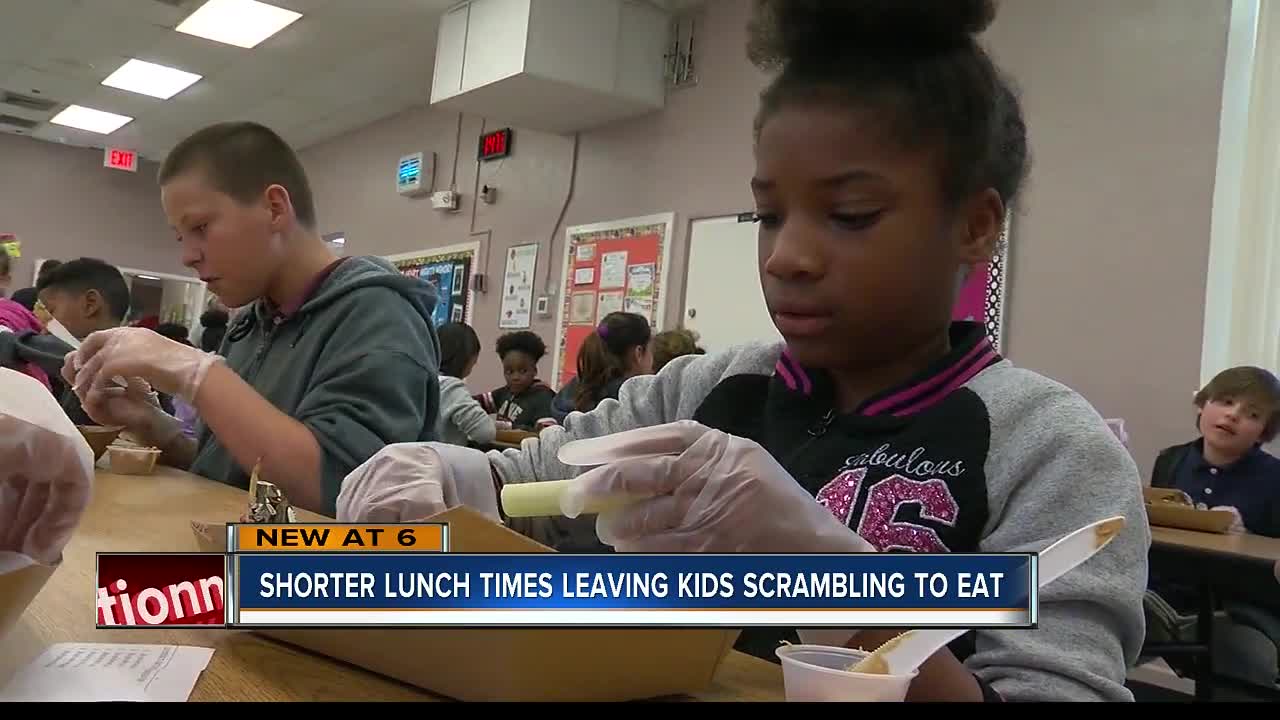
(462, 420)
(887, 153)
(671, 344)
(525, 401)
(1226, 468)
(84, 295)
(618, 350)
(333, 359)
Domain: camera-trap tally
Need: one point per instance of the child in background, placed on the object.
(214, 321)
(462, 419)
(85, 295)
(888, 152)
(6, 272)
(1226, 467)
(671, 344)
(525, 401)
(616, 352)
(15, 320)
(29, 297)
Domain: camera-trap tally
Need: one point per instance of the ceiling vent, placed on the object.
(23, 123)
(553, 65)
(26, 102)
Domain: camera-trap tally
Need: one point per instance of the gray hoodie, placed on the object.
(462, 419)
(357, 364)
(973, 455)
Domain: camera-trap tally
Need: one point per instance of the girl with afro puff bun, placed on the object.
(525, 401)
(888, 150)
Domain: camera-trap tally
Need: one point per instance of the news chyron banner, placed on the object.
(343, 575)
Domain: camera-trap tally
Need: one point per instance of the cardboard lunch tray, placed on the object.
(17, 589)
(1169, 508)
(525, 664)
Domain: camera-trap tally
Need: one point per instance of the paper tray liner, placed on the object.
(524, 664)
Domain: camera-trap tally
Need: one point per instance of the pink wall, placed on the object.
(1108, 255)
(63, 204)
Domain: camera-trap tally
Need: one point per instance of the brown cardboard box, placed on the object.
(17, 590)
(517, 664)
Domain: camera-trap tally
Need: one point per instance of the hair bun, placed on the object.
(784, 31)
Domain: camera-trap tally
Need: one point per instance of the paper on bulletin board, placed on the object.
(584, 276)
(517, 287)
(613, 270)
(607, 248)
(582, 308)
(639, 297)
(610, 302)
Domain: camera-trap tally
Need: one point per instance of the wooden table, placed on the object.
(1220, 565)
(154, 514)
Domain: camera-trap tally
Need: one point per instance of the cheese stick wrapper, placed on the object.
(546, 499)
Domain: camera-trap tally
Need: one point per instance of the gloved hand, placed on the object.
(720, 493)
(1237, 524)
(46, 478)
(136, 407)
(411, 481)
(168, 366)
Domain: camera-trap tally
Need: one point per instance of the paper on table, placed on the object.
(109, 673)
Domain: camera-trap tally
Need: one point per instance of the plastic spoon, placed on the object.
(909, 650)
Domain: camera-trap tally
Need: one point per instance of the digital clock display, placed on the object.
(496, 144)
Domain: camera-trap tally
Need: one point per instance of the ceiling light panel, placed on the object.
(96, 121)
(243, 23)
(147, 78)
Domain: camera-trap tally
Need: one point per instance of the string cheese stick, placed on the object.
(542, 499)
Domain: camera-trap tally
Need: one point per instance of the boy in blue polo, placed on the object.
(1226, 467)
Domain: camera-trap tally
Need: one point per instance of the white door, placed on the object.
(723, 300)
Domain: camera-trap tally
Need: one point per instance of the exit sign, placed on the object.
(119, 159)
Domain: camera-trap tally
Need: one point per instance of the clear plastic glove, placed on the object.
(720, 493)
(1237, 523)
(46, 479)
(134, 406)
(168, 366)
(411, 481)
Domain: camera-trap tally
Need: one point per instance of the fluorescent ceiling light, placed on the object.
(151, 79)
(147, 277)
(96, 121)
(243, 23)
(340, 240)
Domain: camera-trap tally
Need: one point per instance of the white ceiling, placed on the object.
(343, 65)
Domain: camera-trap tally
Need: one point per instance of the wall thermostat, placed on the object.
(415, 173)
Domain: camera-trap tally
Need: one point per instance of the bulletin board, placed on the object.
(983, 296)
(620, 265)
(449, 269)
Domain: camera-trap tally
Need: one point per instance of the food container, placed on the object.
(99, 437)
(132, 460)
(816, 673)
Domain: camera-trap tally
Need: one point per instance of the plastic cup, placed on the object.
(816, 673)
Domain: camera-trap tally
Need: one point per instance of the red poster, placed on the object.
(598, 281)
